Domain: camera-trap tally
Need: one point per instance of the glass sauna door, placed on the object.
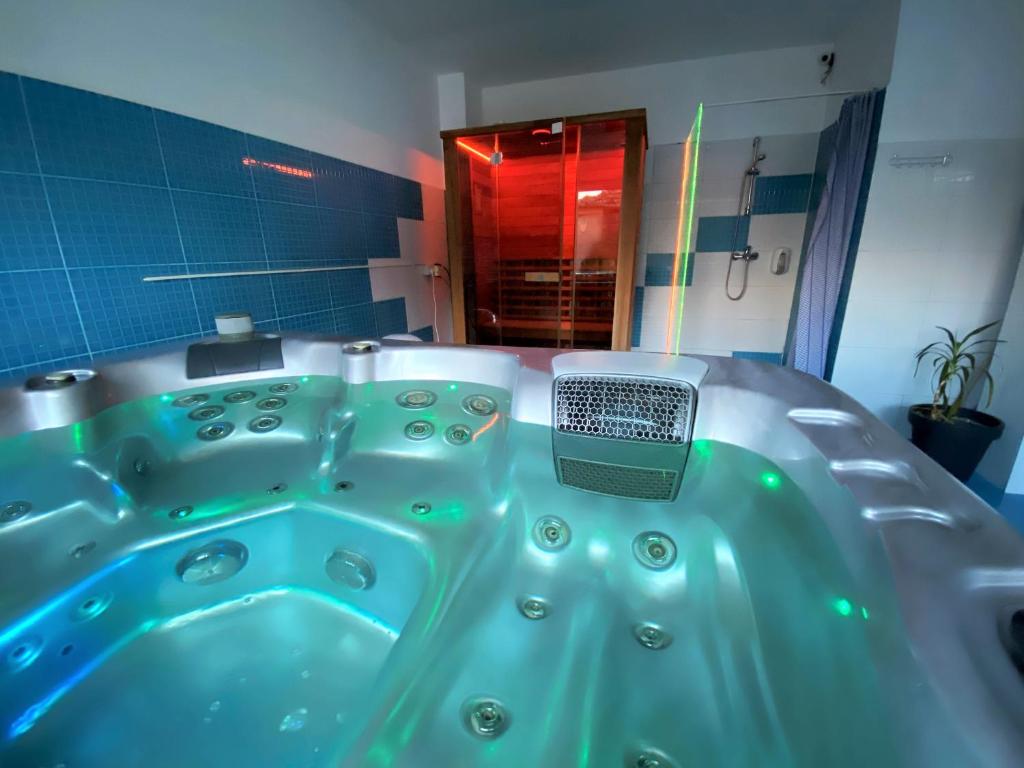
(514, 255)
(540, 233)
(478, 203)
(594, 188)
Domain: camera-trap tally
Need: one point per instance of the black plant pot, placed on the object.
(957, 445)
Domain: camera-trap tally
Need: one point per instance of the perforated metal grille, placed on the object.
(624, 408)
(617, 480)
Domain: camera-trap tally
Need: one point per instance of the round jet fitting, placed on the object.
(271, 403)
(479, 405)
(652, 636)
(14, 510)
(458, 434)
(206, 412)
(654, 550)
(188, 401)
(263, 424)
(81, 550)
(214, 562)
(92, 607)
(216, 430)
(24, 653)
(484, 717)
(240, 396)
(551, 533)
(351, 569)
(419, 430)
(649, 758)
(416, 399)
(534, 608)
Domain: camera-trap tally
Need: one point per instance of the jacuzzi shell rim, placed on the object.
(956, 564)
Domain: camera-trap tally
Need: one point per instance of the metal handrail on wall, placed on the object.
(284, 271)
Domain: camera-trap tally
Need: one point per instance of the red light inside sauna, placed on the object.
(287, 170)
(472, 150)
(542, 235)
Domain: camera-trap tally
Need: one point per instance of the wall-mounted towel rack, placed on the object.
(920, 161)
(287, 271)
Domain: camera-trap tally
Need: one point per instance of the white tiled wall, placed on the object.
(712, 324)
(421, 244)
(1003, 465)
(940, 246)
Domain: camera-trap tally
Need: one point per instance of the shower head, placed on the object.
(747, 187)
(756, 157)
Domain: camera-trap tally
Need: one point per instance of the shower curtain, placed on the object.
(828, 261)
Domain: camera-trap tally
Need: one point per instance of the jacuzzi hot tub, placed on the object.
(391, 554)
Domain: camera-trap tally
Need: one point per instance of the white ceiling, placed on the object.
(515, 40)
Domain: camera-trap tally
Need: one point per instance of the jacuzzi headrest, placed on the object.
(621, 435)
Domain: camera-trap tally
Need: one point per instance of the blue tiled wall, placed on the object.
(97, 193)
(426, 333)
(638, 315)
(390, 316)
(781, 194)
(722, 233)
(660, 266)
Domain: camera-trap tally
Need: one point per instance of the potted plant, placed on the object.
(955, 436)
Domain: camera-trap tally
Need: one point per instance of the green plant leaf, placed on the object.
(979, 329)
(920, 356)
(954, 362)
(991, 387)
(984, 341)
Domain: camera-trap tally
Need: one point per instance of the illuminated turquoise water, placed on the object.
(774, 641)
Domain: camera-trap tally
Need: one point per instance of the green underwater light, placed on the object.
(770, 480)
(843, 606)
(702, 448)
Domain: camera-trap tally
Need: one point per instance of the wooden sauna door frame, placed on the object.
(629, 215)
